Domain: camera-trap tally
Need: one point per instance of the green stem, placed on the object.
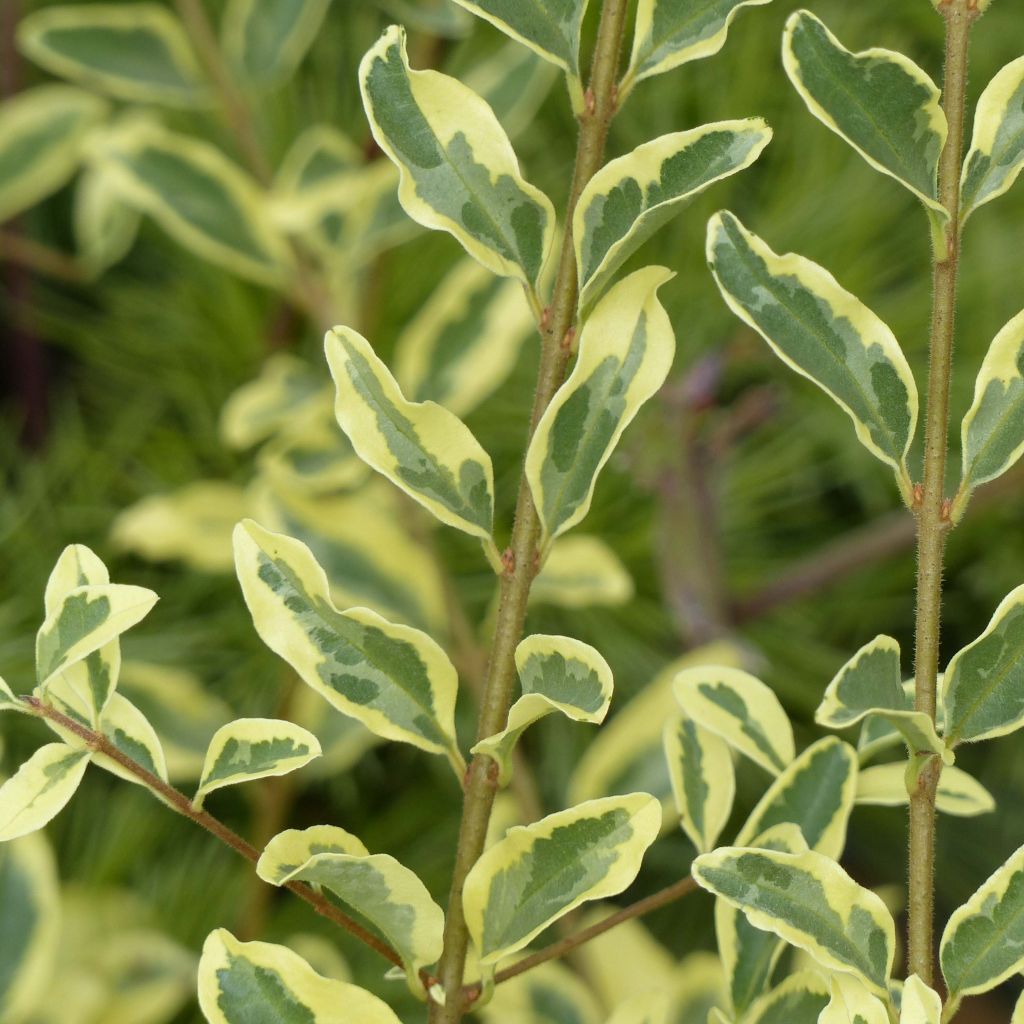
(521, 559)
(177, 801)
(932, 508)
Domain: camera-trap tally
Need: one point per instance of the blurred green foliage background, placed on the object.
(740, 474)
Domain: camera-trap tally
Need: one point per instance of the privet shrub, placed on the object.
(364, 646)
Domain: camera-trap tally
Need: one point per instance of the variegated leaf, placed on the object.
(130, 732)
(548, 27)
(919, 1003)
(30, 897)
(824, 333)
(1018, 1010)
(798, 999)
(9, 700)
(996, 155)
(464, 341)
(136, 51)
(198, 196)
(394, 679)
(86, 620)
(315, 460)
(808, 900)
(625, 352)
(645, 1008)
(703, 782)
(235, 977)
(983, 943)
(958, 794)
(879, 101)
(740, 709)
(319, 158)
(581, 571)
(557, 673)
(265, 40)
(852, 1003)
(871, 683)
(669, 33)
(992, 432)
(40, 788)
(626, 201)
(514, 82)
(376, 886)
(182, 711)
(983, 686)
(540, 872)
(420, 447)
(42, 131)
(254, 748)
(749, 954)
(549, 994)
(105, 227)
(458, 171)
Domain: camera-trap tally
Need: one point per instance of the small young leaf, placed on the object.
(458, 171)
(198, 196)
(377, 887)
(879, 101)
(557, 673)
(30, 937)
(983, 686)
(137, 52)
(39, 789)
(749, 955)
(996, 155)
(852, 1003)
(128, 729)
(394, 679)
(581, 571)
(105, 227)
(808, 900)
(919, 1004)
(548, 27)
(625, 352)
(673, 32)
(885, 785)
(630, 198)
(992, 432)
(267, 39)
(983, 943)
(254, 748)
(870, 683)
(420, 447)
(824, 333)
(8, 700)
(77, 566)
(85, 621)
(235, 977)
(740, 709)
(464, 341)
(540, 872)
(798, 999)
(703, 782)
(42, 131)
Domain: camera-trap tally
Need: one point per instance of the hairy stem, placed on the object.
(481, 781)
(177, 801)
(932, 509)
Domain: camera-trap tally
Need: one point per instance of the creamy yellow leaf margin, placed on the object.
(267, 39)
(9, 700)
(121, 27)
(429, 122)
(811, 902)
(132, 733)
(703, 782)
(254, 748)
(288, 596)
(235, 976)
(465, 339)
(852, 1003)
(794, 993)
(920, 1004)
(42, 134)
(590, 852)
(105, 228)
(231, 227)
(741, 709)
(959, 794)
(626, 349)
(581, 571)
(40, 789)
(996, 155)
(377, 886)
(557, 673)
